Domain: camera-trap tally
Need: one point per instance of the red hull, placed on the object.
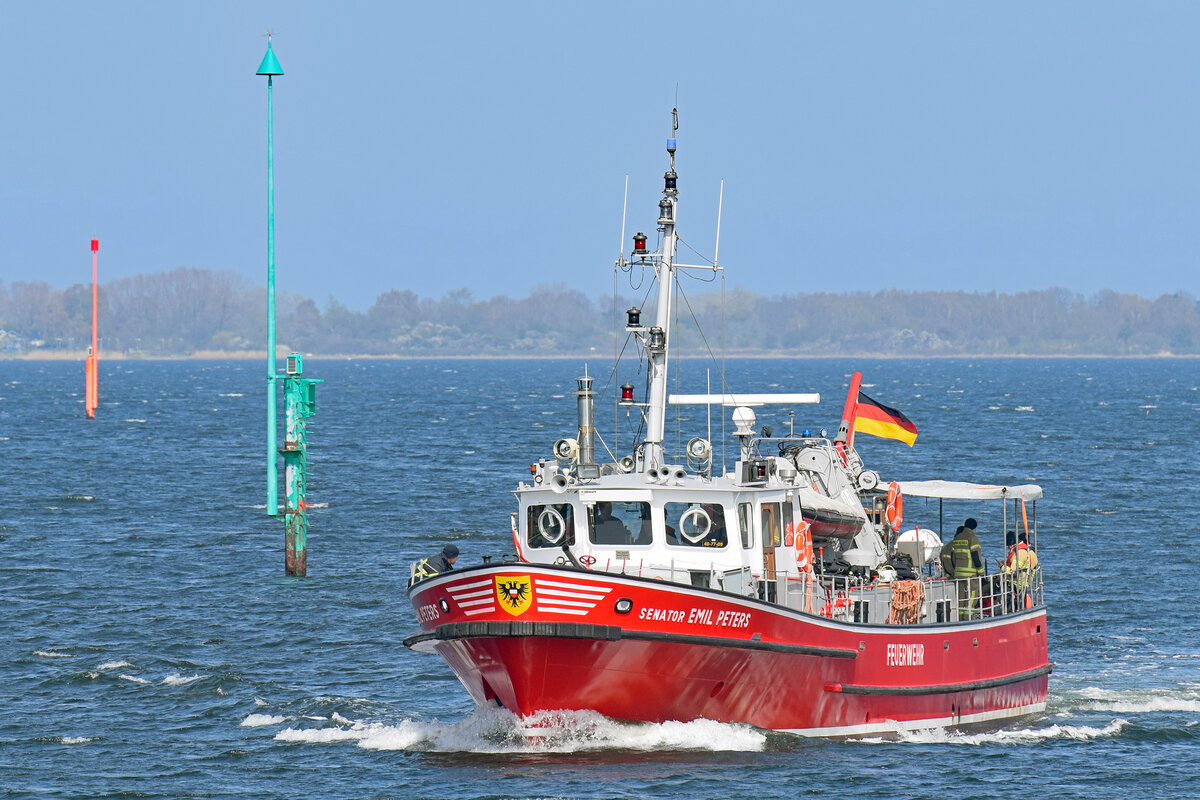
(538, 638)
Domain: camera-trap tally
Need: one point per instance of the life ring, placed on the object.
(801, 533)
(895, 506)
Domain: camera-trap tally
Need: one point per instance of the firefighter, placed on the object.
(962, 559)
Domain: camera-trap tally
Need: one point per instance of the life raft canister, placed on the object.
(895, 506)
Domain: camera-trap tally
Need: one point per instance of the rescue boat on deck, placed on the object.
(783, 593)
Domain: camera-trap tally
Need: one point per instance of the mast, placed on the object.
(659, 340)
(92, 368)
(270, 67)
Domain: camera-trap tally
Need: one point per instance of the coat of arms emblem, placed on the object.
(514, 593)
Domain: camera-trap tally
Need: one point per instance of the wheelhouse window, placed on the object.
(745, 514)
(617, 522)
(551, 525)
(695, 524)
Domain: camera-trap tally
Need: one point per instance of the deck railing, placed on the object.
(908, 602)
(923, 601)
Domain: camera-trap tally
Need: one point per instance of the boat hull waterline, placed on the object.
(537, 638)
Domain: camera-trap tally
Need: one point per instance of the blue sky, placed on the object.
(435, 146)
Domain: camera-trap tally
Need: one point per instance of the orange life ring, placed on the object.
(802, 533)
(895, 506)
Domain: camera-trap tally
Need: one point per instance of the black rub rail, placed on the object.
(609, 633)
(970, 686)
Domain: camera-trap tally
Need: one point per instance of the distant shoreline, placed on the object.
(243, 355)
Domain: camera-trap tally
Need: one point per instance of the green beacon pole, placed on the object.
(270, 67)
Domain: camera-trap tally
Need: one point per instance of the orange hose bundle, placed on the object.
(907, 599)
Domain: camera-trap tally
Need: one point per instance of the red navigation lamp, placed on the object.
(639, 244)
(95, 245)
(626, 394)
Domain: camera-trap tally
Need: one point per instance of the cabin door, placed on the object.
(772, 537)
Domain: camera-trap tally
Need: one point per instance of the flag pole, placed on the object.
(845, 435)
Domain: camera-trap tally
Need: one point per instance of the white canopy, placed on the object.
(743, 399)
(959, 490)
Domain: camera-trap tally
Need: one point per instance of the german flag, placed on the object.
(876, 419)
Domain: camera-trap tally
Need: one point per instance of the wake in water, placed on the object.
(495, 730)
(1134, 701)
(1020, 736)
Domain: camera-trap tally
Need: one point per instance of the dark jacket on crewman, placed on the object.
(437, 564)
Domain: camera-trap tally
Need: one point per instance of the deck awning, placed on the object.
(959, 490)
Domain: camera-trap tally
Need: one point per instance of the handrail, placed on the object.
(926, 601)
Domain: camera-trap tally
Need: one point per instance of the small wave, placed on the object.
(132, 678)
(175, 679)
(258, 701)
(500, 731)
(75, 739)
(79, 498)
(136, 421)
(231, 394)
(1136, 701)
(1023, 408)
(259, 720)
(111, 665)
(51, 654)
(318, 505)
(1080, 733)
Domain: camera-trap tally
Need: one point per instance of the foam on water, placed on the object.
(494, 730)
(175, 679)
(132, 678)
(51, 654)
(111, 665)
(75, 739)
(1015, 737)
(259, 720)
(1135, 701)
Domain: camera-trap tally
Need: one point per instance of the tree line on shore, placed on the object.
(188, 310)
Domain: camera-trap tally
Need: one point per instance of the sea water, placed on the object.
(150, 645)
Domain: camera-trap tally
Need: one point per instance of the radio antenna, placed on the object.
(624, 210)
(717, 247)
